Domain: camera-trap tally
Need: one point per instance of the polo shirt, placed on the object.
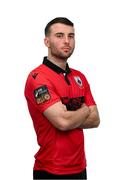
(60, 152)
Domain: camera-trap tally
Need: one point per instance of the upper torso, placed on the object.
(61, 152)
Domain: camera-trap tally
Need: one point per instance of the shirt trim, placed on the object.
(56, 68)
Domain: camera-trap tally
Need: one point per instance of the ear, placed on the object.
(47, 42)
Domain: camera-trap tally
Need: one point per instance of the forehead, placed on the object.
(58, 27)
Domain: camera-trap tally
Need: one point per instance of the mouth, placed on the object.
(66, 48)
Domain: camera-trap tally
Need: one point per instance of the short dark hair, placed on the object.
(62, 20)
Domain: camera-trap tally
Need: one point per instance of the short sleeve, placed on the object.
(40, 92)
(89, 100)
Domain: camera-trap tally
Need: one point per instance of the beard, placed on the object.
(59, 54)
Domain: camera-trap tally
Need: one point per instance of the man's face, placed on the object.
(61, 41)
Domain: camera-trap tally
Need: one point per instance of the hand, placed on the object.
(64, 108)
(85, 109)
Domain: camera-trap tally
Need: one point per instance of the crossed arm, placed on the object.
(62, 119)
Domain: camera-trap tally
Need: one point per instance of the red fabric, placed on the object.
(61, 152)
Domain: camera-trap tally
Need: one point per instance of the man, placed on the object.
(61, 106)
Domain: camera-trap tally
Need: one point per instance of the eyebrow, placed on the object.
(61, 33)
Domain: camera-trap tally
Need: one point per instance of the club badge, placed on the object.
(78, 80)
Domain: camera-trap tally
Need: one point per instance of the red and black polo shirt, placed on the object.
(61, 152)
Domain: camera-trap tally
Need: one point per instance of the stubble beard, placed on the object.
(60, 55)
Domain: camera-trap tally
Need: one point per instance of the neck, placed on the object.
(57, 61)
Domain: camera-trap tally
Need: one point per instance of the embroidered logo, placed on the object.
(41, 94)
(78, 80)
(34, 75)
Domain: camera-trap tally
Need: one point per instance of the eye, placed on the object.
(71, 36)
(59, 35)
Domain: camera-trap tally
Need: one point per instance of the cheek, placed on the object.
(73, 43)
(54, 45)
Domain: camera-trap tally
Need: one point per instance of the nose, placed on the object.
(66, 39)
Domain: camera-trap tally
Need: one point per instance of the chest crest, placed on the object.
(78, 81)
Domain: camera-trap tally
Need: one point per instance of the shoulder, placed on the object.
(36, 71)
(37, 74)
(37, 77)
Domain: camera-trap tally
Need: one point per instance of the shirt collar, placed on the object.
(56, 68)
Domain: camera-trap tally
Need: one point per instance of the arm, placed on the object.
(93, 120)
(64, 120)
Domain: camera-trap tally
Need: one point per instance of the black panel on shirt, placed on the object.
(73, 103)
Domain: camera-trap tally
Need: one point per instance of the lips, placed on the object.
(66, 48)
